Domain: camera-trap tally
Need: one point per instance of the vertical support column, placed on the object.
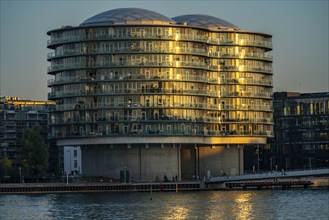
(239, 160)
(197, 161)
(140, 161)
(179, 167)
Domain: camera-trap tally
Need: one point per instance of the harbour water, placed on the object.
(263, 204)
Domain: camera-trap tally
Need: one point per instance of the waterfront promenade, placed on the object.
(284, 180)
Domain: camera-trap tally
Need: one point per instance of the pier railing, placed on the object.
(269, 175)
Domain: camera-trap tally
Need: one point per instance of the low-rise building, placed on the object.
(17, 115)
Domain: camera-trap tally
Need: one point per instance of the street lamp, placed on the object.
(257, 158)
(20, 174)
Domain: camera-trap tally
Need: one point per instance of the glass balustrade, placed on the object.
(165, 64)
(257, 43)
(164, 119)
(76, 38)
(190, 133)
(125, 50)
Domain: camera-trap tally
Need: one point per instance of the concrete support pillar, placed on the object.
(179, 173)
(197, 162)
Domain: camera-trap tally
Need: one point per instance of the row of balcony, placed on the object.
(241, 68)
(105, 37)
(163, 119)
(159, 91)
(164, 77)
(177, 37)
(173, 50)
(160, 64)
(105, 105)
(138, 133)
(180, 64)
(178, 50)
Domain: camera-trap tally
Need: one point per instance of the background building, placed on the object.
(301, 130)
(72, 160)
(17, 115)
(157, 96)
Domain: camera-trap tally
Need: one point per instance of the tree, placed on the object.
(6, 164)
(35, 152)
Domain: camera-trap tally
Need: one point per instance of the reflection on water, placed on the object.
(276, 204)
(244, 206)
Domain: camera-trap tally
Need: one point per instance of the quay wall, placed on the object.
(98, 187)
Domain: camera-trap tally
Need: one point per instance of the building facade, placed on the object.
(160, 96)
(17, 115)
(72, 160)
(301, 130)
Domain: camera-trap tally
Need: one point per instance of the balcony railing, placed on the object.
(258, 56)
(241, 68)
(257, 43)
(125, 50)
(117, 92)
(183, 64)
(133, 77)
(77, 38)
(248, 94)
(159, 77)
(161, 119)
(106, 105)
(138, 133)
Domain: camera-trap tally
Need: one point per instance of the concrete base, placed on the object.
(154, 162)
(143, 162)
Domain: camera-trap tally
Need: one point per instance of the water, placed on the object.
(267, 204)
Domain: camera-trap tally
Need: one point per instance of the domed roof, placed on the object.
(204, 21)
(127, 16)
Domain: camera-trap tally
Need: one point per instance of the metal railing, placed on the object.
(269, 175)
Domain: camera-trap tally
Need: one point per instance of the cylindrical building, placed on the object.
(139, 91)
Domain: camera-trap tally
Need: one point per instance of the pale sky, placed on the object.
(299, 29)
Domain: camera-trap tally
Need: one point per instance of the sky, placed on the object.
(299, 30)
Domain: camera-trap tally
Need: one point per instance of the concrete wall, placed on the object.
(188, 162)
(145, 162)
(213, 160)
(206, 161)
(154, 161)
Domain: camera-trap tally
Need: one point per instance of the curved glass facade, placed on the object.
(184, 84)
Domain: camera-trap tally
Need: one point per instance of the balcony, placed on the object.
(76, 38)
(255, 56)
(128, 50)
(266, 95)
(158, 133)
(256, 43)
(164, 64)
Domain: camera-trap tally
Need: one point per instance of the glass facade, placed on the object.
(160, 80)
(301, 130)
(151, 79)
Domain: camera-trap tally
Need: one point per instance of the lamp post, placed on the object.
(258, 158)
(20, 174)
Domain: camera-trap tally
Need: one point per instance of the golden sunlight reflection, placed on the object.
(177, 37)
(243, 206)
(176, 212)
